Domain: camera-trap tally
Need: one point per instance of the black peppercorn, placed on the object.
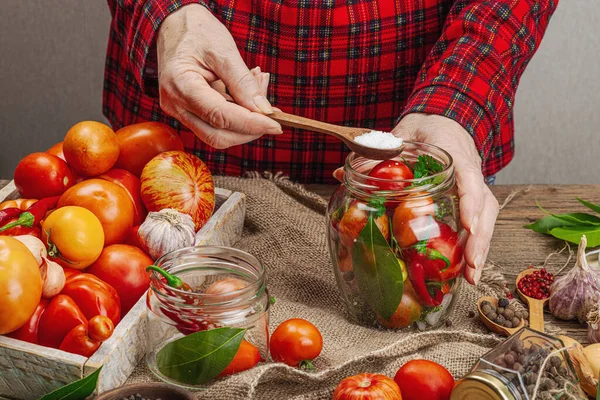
(472, 313)
(503, 302)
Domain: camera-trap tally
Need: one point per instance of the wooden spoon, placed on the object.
(536, 307)
(343, 133)
(491, 325)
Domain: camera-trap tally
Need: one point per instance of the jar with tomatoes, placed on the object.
(396, 240)
(208, 315)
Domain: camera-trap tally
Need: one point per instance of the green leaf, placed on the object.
(573, 234)
(546, 224)
(198, 358)
(377, 271)
(591, 206)
(77, 390)
(378, 206)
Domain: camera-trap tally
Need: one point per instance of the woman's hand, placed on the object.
(478, 206)
(200, 69)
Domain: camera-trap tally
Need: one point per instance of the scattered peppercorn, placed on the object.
(472, 313)
(537, 284)
(448, 322)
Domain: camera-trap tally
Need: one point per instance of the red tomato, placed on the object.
(390, 172)
(412, 220)
(296, 342)
(100, 328)
(180, 181)
(408, 311)
(423, 379)
(246, 357)
(139, 143)
(41, 175)
(133, 238)
(78, 341)
(57, 150)
(354, 220)
(91, 148)
(108, 202)
(93, 296)
(131, 184)
(124, 268)
(368, 387)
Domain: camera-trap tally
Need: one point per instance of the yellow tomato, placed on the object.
(20, 284)
(75, 237)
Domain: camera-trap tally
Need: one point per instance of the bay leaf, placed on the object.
(546, 224)
(377, 271)
(591, 206)
(77, 390)
(573, 234)
(198, 358)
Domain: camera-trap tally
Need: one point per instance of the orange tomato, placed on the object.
(181, 181)
(412, 219)
(75, 237)
(131, 184)
(246, 357)
(366, 387)
(91, 148)
(21, 204)
(57, 150)
(354, 220)
(296, 342)
(139, 143)
(20, 284)
(107, 201)
(408, 311)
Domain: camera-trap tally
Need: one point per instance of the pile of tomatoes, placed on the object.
(85, 199)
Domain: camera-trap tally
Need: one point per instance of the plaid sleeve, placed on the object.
(472, 72)
(137, 23)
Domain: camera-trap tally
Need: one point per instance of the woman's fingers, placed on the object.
(471, 191)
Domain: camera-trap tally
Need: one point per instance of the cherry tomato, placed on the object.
(389, 175)
(124, 268)
(100, 328)
(354, 220)
(296, 342)
(408, 311)
(139, 143)
(57, 150)
(109, 202)
(75, 237)
(91, 148)
(131, 184)
(41, 175)
(20, 284)
(368, 387)
(423, 379)
(93, 296)
(412, 220)
(246, 357)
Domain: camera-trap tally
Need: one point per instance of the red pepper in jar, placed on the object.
(172, 280)
(416, 274)
(26, 219)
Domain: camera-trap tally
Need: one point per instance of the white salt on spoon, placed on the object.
(375, 145)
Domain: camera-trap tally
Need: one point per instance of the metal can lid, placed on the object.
(480, 385)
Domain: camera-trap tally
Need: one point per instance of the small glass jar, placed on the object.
(175, 313)
(397, 244)
(512, 371)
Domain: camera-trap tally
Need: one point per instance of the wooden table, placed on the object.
(514, 248)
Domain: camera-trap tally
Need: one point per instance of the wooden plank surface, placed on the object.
(513, 247)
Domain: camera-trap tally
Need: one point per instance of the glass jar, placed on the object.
(512, 371)
(396, 241)
(174, 313)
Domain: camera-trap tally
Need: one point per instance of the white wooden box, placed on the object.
(28, 371)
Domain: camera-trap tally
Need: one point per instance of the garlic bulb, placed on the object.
(575, 293)
(165, 231)
(53, 278)
(35, 246)
(593, 320)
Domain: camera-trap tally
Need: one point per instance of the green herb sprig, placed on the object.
(571, 226)
(426, 166)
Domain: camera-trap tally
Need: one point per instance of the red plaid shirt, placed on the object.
(354, 62)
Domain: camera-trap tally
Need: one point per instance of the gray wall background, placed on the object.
(52, 61)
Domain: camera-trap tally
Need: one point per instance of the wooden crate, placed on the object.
(29, 371)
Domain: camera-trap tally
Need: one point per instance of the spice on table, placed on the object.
(379, 140)
(537, 284)
(172, 280)
(506, 314)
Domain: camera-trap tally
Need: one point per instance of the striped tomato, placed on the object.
(181, 181)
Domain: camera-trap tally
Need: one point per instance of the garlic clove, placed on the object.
(53, 278)
(35, 246)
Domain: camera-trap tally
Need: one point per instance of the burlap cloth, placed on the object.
(285, 229)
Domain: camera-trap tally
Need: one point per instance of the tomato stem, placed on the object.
(306, 365)
(172, 280)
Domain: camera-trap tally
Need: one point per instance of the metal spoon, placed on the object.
(343, 133)
(491, 325)
(536, 307)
